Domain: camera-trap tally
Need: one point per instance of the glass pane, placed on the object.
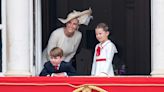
(0, 40)
(0, 52)
(0, 13)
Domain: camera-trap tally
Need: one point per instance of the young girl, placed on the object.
(104, 53)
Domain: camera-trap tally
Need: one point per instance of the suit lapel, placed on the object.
(50, 67)
(62, 66)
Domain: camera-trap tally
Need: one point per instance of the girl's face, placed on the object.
(101, 35)
(72, 25)
(55, 60)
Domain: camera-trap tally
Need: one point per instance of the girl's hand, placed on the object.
(102, 74)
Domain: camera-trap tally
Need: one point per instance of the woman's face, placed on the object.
(101, 35)
(72, 25)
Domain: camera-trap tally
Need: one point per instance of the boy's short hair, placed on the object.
(56, 51)
(104, 26)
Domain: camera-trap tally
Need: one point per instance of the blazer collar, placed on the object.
(105, 43)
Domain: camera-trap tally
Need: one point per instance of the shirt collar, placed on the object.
(105, 43)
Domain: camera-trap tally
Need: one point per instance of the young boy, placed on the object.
(104, 52)
(57, 67)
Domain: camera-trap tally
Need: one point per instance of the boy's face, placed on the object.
(56, 60)
(101, 35)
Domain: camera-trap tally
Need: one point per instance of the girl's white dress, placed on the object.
(102, 63)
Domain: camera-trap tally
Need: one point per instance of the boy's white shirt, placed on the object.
(104, 68)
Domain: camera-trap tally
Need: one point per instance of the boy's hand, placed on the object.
(59, 74)
(53, 74)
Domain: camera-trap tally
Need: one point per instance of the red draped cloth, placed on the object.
(69, 84)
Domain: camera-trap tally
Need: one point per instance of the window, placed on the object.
(2, 35)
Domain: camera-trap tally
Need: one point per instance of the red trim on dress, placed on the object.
(102, 59)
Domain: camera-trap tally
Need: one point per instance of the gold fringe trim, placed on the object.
(89, 89)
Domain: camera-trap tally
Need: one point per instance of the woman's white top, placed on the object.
(68, 44)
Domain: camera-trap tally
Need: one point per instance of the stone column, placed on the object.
(157, 36)
(18, 37)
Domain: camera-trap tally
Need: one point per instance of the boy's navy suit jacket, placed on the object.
(64, 67)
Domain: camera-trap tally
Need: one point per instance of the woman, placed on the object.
(68, 38)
